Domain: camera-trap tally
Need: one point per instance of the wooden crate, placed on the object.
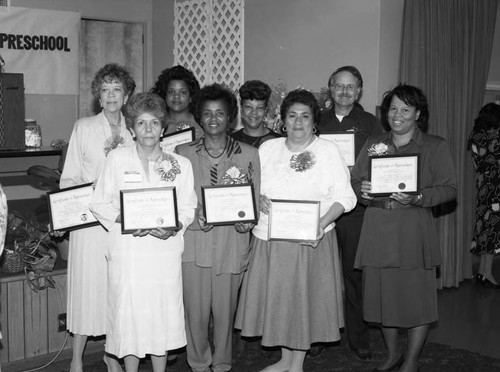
(29, 320)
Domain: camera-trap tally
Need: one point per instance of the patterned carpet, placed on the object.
(250, 357)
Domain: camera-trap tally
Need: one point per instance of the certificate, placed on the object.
(345, 142)
(294, 220)
(144, 209)
(394, 173)
(171, 140)
(69, 208)
(229, 204)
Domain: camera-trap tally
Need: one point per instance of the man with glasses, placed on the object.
(347, 115)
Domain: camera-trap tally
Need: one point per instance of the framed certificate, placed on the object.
(171, 140)
(143, 209)
(294, 220)
(69, 208)
(345, 141)
(229, 204)
(394, 173)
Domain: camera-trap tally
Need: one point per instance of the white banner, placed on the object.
(43, 45)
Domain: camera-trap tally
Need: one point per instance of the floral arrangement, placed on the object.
(234, 175)
(302, 162)
(378, 149)
(112, 143)
(278, 93)
(167, 167)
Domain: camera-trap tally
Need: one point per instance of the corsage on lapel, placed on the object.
(302, 162)
(378, 149)
(167, 167)
(112, 143)
(234, 175)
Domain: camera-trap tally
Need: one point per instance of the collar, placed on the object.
(233, 147)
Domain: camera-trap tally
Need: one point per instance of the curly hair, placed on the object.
(353, 70)
(489, 117)
(112, 73)
(216, 92)
(304, 97)
(410, 95)
(177, 73)
(142, 103)
(255, 89)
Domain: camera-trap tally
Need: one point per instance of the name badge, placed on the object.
(132, 177)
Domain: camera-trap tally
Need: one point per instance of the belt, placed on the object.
(389, 204)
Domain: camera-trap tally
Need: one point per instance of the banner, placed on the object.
(43, 45)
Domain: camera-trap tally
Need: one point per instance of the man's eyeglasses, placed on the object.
(340, 87)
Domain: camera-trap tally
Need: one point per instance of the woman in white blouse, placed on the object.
(145, 308)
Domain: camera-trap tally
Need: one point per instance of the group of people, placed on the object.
(160, 289)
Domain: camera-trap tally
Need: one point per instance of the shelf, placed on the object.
(23, 153)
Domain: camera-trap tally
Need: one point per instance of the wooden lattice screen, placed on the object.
(208, 39)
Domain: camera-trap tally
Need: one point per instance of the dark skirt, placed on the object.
(291, 295)
(396, 297)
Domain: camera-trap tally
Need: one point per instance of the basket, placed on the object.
(12, 262)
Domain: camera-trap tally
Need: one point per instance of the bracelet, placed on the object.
(419, 197)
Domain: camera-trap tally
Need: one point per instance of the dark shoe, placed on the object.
(486, 283)
(315, 351)
(394, 367)
(363, 354)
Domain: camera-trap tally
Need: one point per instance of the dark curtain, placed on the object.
(446, 51)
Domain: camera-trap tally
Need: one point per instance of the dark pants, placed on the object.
(348, 228)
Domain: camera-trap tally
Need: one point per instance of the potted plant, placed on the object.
(29, 247)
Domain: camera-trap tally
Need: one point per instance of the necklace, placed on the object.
(250, 139)
(218, 156)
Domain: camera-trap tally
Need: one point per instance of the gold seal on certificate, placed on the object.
(144, 209)
(345, 141)
(294, 220)
(69, 208)
(171, 140)
(229, 204)
(394, 173)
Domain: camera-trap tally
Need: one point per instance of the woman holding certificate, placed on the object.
(215, 257)
(91, 141)
(291, 294)
(398, 249)
(145, 310)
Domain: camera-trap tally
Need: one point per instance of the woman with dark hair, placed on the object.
(484, 142)
(291, 294)
(215, 257)
(254, 96)
(178, 87)
(145, 309)
(91, 141)
(398, 249)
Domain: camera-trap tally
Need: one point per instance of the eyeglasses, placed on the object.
(340, 87)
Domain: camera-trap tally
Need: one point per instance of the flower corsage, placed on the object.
(302, 162)
(234, 176)
(167, 167)
(112, 143)
(378, 149)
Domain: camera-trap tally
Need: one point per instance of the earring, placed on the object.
(314, 129)
(100, 103)
(283, 128)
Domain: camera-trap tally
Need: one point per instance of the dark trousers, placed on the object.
(348, 228)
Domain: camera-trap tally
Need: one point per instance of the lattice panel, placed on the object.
(208, 39)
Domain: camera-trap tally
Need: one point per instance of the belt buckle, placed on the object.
(388, 204)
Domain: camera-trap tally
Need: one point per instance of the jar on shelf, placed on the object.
(32, 134)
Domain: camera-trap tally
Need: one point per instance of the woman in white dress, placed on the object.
(91, 141)
(145, 308)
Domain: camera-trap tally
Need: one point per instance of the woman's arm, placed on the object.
(71, 174)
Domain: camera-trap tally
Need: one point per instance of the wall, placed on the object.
(57, 113)
(163, 35)
(494, 74)
(303, 42)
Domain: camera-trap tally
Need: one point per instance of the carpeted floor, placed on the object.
(248, 356)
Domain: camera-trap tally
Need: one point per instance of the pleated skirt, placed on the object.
(291, 295)
(87, 281)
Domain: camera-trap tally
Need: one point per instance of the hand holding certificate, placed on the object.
(148, 209)
(69, 208)
(294, 220)
(229, 204)
(394, 173)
